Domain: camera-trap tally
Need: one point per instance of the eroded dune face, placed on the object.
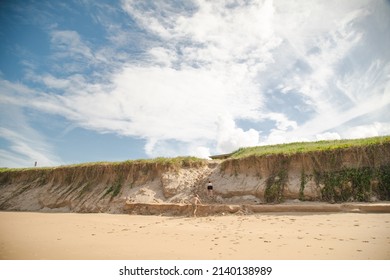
(343, 175)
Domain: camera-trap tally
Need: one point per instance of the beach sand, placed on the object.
(59, 236)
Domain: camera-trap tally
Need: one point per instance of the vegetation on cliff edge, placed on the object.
(305, 147)
(286, 149)
(174, 162)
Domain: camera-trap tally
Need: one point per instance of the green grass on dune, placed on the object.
(305, 147)
(287, 149)
(176, 161)
(159, 160)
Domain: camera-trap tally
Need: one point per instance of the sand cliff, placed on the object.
(341, 175)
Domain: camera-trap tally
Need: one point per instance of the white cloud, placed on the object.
(26, 146)
(162, 56)
(230, 137)
(69, 43)
(214, 36)
(369, 95)
(200, 152)
(369, 130)
(328, 136)
(207, 68)
(176, 148)
(177, 105)
(22, 145)
(13, 160)
(316, 85)
(282, 122)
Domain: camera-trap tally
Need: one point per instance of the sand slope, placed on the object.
(260, 236)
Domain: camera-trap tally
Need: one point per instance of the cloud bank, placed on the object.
(213, 76)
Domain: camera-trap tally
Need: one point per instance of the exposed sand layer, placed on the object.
(174, 209)
(26, 235)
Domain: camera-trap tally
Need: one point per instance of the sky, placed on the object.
(94, 80)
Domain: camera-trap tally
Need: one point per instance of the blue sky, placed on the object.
(87, 80)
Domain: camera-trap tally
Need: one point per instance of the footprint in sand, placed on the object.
(331, 249)
(366, 241)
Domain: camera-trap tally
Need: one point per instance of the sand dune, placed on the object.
(320, 236)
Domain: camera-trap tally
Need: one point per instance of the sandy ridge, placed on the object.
(222, 209)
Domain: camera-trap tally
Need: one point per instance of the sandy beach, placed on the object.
(26, 235)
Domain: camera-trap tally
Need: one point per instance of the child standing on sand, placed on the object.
(195, 202)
